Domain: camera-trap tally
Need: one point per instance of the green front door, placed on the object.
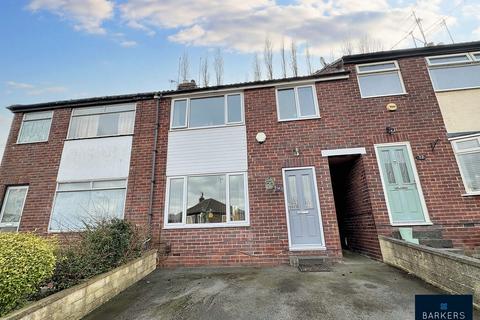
(402, 194)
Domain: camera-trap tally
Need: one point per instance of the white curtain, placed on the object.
(36, 130)
(84, 126)
(470, 164)
(13, 205)
(126, 122)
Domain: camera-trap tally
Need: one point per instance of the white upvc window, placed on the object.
(35, 127)
(467, 152)
(203, 201)
(12, 206)
(211, 111)
(86, 202)
(102, 121)
(380, 79)
(297, 103)
(455, 71)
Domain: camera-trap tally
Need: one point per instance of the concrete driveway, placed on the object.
(359, 288)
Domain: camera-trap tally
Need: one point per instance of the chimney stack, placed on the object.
(187, 85)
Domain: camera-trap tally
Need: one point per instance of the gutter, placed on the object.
(157, 96)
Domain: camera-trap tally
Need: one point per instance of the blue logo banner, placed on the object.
(448, 307)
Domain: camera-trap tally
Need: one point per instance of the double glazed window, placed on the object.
(467, 151)
(380, 79)
(297, 103)
(35, 127)
(453, 72)
(207, 200)
(80, 203)
(102, 121)
(207, 112)
(13, 206)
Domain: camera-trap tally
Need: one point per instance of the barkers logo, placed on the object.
(443, 307)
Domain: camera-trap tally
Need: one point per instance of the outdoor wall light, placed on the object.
(296, 152)
(390, 130)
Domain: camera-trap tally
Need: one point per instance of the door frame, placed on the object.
(314, 247)
(417, 182)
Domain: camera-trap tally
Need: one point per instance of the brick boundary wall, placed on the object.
(78, 301)
(451, 272)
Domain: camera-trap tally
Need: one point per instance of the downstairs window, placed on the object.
(207, 200)
(12, 207)
(80, 203)
(467, 151)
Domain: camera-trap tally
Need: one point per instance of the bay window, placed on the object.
(380, 79)
(101, 121)
(35, 127)
(207, 111)
(12, 206)
(454, 72)
(80, 203)
(467, 152)
(207, 200)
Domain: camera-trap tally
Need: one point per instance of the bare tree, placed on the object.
(218, 67)
(367, 44)
(204, 72)
(184, 67)
(293, 58)
(268, 58)
(257, 68)
(308, 59)
(347, 47)
(283, 59)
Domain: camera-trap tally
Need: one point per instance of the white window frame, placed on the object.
(23, 121)
(396, 69)
(90, 189)
(213, 95)
(297, 103)
(98, 113)
(471, 61)
(5, 198)
(457, 152)
(184, 225)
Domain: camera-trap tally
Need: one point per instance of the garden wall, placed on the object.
(76, 302)
(451, 272)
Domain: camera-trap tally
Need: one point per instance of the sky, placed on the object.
(68, 49)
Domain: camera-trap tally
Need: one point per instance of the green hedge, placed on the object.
(26, 260)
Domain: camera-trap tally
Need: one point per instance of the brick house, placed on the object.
(258, 172)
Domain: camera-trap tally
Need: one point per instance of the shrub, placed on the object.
(26, 260)
(102, 247)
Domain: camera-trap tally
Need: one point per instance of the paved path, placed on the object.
(360, 288)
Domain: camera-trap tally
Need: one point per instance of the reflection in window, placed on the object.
(35, 127)
(379, 79)
(13, 206)
(467, 152)
(459, 71)
(175, 209)
(179, 114)
(206, 199)
(77, 204)
(237, 198)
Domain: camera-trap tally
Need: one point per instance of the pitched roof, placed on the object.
(207, 205)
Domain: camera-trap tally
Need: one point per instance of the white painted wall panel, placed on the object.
(209, 150)
(91, 159)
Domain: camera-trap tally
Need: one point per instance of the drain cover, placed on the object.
(314, 268)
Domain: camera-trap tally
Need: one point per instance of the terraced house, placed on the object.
(260, 172)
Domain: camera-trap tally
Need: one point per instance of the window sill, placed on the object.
(307, 248)
(238, 124)
(386, 95)
(206, 226)
(472, 194)
(299, 119)
(100, 137)
(406, 224)
(31, 142)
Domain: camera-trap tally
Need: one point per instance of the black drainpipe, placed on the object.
(157, 97)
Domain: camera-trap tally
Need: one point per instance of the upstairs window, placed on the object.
(35, 127)
(454, 72)
(12, 207)
(80, 203)
(467, 151)
(102, 121)
(297, 103)
(380, 79)
(207, 112)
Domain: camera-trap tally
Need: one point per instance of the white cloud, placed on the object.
(128, 43)
(243, 25)
(34, 90)
(87, 15)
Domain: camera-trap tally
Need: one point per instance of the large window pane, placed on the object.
(237, 197)
(108, 124)
(179, 113)
(207, 112)
(84, 127)
(287, 104)
(234, 107)
(206, 201)
(72, 210)
(175, 201)
(470, 166)
(456, 77)
(380, 84)
(34, 131)
(306, 101)
(13, 205)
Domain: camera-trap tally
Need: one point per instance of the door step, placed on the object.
(311, 264)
